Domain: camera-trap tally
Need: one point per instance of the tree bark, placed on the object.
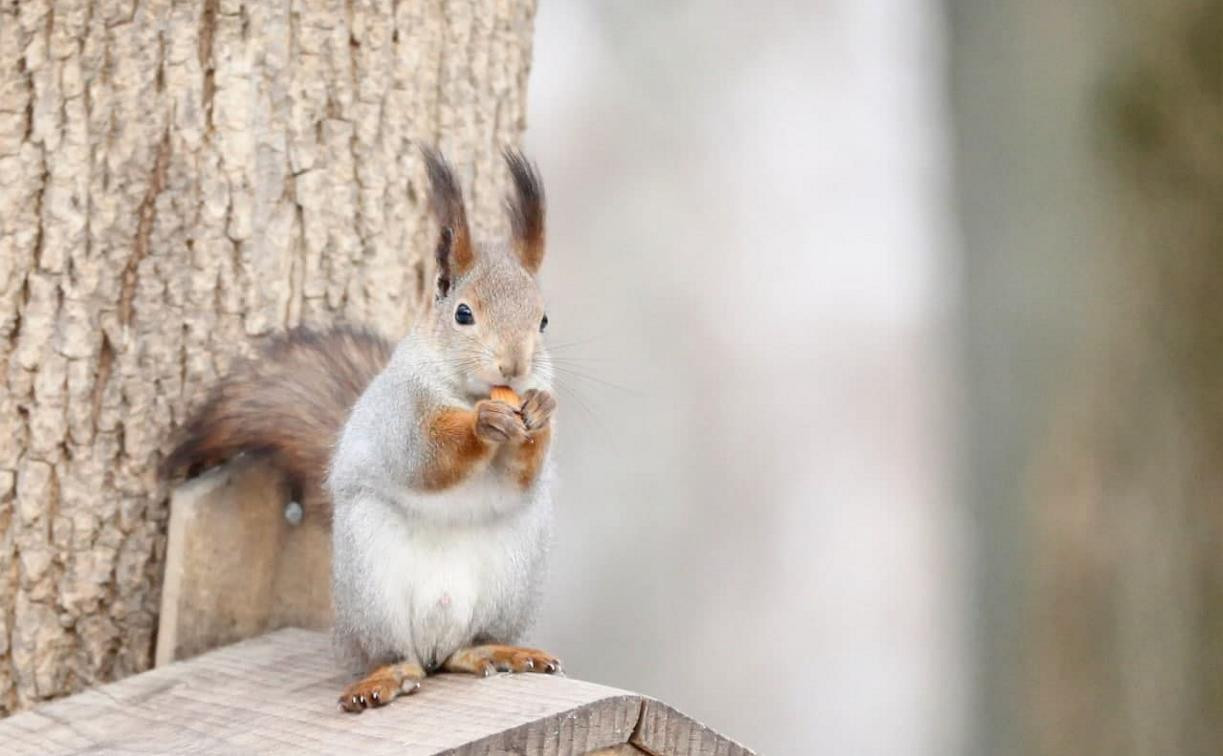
(177, 179)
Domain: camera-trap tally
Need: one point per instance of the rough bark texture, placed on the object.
(178, 178)
(1092, 166)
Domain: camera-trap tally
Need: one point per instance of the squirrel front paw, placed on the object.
(498, 422)
(537, 409)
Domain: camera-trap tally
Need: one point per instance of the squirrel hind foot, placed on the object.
(486, 660)
(381, 686)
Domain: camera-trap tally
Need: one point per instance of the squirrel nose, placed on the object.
(514, 363)
(510, 368)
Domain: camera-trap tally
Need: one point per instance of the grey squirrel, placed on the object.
(440, 496)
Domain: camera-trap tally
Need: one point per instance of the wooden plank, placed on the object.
(235, 566)
(663, 730)
(277, 693)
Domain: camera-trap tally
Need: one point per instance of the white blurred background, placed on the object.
(751, 282)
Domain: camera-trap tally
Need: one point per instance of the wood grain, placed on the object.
(236, 567)
(276, 693)
(663, 730)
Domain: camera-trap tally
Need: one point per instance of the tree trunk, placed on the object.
(1091, 164)
(178, 178)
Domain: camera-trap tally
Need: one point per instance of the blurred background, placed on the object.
(888, 342)
(752, 277)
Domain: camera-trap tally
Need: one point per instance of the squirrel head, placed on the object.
(487, 316)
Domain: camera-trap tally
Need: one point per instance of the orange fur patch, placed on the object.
(457, 451)
(528, 457)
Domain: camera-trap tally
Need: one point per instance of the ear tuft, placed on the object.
(454, 251)
(526, 209)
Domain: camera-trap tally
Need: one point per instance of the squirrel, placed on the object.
(439, 496)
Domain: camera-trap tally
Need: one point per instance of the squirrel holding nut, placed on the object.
(433, 456)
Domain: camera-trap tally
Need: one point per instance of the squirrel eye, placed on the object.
(463, 316)
(543, 324)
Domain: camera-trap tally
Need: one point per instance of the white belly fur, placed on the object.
(439, 584)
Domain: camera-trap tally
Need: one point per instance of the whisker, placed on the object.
(575, 395)
(576, 342)
(574, 359)
(583, 376)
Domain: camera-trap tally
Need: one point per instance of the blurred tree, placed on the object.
(1091, 177)
(178, 178)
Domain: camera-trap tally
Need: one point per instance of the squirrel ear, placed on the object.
(526, 209)
(454, 252)
(445, 242)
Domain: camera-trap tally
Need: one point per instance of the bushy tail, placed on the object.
(289, 403)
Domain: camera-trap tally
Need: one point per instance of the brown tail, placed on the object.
(288, 403)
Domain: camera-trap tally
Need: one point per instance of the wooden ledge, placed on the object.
(235, 566)
(277, 693)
